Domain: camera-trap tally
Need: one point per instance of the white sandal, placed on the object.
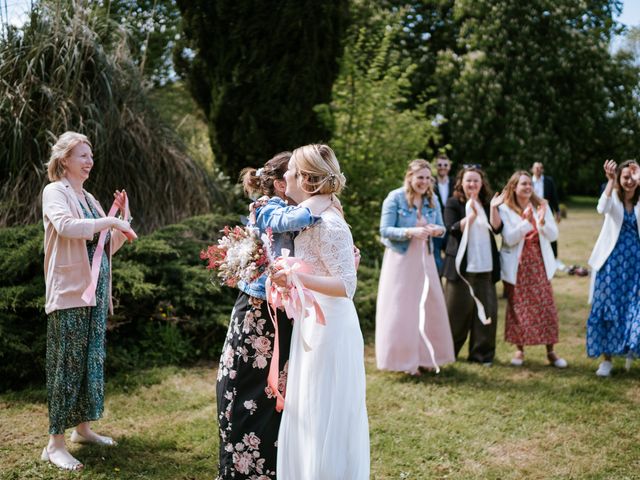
(104, 441)
(74, 466)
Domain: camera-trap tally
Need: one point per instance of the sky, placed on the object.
(630, 13)
(17, 10)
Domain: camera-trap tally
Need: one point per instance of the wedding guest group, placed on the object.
(312, 422)
(613, 326)
(79, 240)
(412, 326)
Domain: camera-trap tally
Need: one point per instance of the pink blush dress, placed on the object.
(399, 343)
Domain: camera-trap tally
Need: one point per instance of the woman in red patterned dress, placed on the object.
(527, 266)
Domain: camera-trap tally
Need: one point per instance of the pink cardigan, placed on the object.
(67, 271)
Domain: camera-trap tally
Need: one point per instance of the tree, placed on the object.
(533, 85)
(257, 68)
(57, 75)
(153, 28)
(375, 133)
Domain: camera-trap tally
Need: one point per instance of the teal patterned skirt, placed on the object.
(75, 358)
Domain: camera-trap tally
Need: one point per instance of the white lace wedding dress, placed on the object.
(324, 433)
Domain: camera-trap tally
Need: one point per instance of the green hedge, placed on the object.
(166, 309)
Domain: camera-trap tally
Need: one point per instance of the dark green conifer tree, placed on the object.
(258, 68)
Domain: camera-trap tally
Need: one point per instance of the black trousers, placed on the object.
(463, 315)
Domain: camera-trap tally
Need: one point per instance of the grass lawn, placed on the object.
(468, 422)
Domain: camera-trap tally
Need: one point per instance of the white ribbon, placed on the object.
(422, 325)
(481, 220)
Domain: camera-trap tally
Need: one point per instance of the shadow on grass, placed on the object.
(121, 383)
(137, 457)
(133, 458)
(577, 383)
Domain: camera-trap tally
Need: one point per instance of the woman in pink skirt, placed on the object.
(412, 326)
(527, 266)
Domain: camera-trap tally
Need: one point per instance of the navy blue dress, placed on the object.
(613, 326)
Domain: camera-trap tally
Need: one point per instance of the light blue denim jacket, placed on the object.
(284, 221)
(397, 217)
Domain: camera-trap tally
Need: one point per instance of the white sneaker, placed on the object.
(604, 370)
(517, 361)
(628, 361)
(560, 363)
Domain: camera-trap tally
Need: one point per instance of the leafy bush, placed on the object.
(366, 295)
(376, 135)
(166, 309)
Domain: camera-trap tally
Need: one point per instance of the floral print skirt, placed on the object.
(76, 339)
(247, 418)
(532, 318)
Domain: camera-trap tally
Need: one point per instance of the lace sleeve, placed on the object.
(336, 251)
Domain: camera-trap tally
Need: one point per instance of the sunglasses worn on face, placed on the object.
(442, 165)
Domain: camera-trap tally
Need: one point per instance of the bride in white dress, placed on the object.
(324, 432)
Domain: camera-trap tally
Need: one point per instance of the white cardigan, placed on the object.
(513, 232)
(613, 210)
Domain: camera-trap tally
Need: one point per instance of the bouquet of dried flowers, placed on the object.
(241, 254)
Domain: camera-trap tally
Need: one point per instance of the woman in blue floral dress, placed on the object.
(613, 327)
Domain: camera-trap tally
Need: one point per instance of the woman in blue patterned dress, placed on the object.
(613, 327)
(76, 324)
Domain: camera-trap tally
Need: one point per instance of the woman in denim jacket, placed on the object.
(412, 326)
(247, 418)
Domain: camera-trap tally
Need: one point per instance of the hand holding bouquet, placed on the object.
(241, 254)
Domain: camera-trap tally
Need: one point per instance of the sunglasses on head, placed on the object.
(472, 165)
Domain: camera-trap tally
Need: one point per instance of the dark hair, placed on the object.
(442, 156)
(257, 182)
(618, 186)
(485, 193)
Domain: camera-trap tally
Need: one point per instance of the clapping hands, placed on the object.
(541, 211)
(610, 170)
(528, 214)
(497, 200)
(426, 231)
(434, 230)
(120, 199)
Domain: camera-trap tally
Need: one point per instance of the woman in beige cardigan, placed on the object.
(77, 304)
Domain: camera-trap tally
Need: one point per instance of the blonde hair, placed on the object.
(410, 193)
(510, 199)
(60, 151)
(319, 169)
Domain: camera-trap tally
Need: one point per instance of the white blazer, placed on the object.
(613, 210)
(514, 230)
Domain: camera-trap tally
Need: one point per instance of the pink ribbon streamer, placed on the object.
(90, 292)
(299, 304)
